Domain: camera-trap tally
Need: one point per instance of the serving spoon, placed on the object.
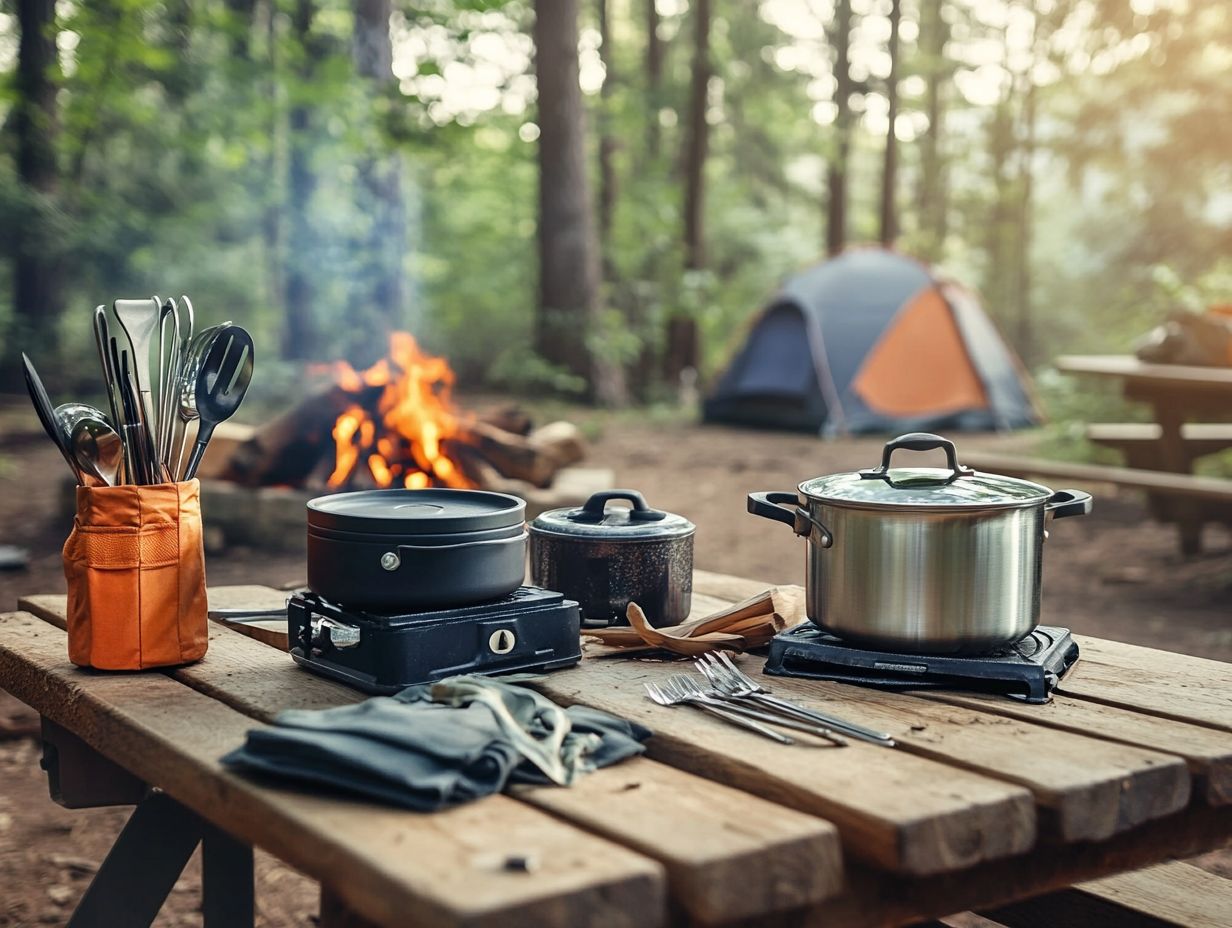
(95, 445)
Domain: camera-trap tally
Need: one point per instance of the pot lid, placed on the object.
(955, 486)
(416, 512)
(594, 521)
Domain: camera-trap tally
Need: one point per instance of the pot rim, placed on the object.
(887, 506)
(609, 538)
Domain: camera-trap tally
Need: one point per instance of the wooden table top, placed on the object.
(985, 800)
(1128, 368)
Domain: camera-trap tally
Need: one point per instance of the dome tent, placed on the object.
(873, 341)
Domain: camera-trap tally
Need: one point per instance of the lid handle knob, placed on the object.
(918, 441)
(595, 507)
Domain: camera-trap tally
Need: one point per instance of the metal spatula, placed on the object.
(221, 382)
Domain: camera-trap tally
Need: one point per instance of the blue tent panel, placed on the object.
(797, 366)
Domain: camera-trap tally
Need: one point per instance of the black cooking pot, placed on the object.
(411, 549)
(605, 558)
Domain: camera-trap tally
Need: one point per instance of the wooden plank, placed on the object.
(878, 898)
(1155, 682)
(1154, 481)
(1171, 895)
(1127, 367)
(448, 868)
(729, 855)
(1183, 688)
(703, 837)
(1207, 752)
(1176, 893)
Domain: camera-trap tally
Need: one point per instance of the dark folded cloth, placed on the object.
(439, 745)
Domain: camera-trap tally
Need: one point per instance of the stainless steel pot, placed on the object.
(923, 560)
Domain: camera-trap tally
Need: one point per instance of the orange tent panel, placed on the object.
(920, 365)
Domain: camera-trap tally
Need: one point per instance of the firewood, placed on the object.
(509, 417)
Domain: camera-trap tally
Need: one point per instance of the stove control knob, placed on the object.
(390, 560)
(502, 641)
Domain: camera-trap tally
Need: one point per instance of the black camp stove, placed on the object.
(529, 630)
(1028, 669)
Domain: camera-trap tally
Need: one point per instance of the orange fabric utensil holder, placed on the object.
(135, 566)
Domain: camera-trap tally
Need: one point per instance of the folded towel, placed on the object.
(441, 744)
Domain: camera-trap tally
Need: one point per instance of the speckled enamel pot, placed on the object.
(606, 558)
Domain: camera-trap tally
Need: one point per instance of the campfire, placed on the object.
(395, 424)
(405, 439)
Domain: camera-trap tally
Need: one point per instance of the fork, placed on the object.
(711, 696)
(663, 697)
(723, 674)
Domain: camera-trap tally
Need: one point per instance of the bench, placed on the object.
(1139, 441)
(1171, 895)
(1187, 500)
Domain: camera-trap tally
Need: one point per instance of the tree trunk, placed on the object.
(300, 335)
(1026, 224)
(568, 250)
(682, 350)
(836, 174)
(37, 301)
(933, 200)
(383, 294)
(607, 141)
(889, 172)
(999, 283)
(654, 79)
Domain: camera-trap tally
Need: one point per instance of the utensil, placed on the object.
(713, 697)
(47, 415)
(665, 695)
(138, 319)
(168, 360)
(723, 674)
(133, 431)
(222, 380)
(194, 356)
(924, 560)
(94, 444)
(415, 549)
(605, 558)
(102, 336)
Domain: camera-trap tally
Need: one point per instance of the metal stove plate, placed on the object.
(1029, 670)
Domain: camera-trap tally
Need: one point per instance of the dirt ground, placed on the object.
(1115, 574)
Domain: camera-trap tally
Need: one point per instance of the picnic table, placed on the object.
(1190, 406)
(986, 800)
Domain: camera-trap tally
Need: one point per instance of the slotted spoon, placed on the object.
(219, 386)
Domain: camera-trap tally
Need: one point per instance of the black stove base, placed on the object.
(1028, 670)
(528, 631)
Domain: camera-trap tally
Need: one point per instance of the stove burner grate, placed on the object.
(1029, 669)
(529, 630)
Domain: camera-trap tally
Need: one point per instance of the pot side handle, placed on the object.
(1064, 503)
(769, 505)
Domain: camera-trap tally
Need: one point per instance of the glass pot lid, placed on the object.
(951, 487)
(596, 522)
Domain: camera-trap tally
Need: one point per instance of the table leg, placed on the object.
(1173, 458)
(337, 914)
(228, 895)
(142, 866)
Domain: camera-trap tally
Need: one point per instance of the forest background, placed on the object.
(592, 196)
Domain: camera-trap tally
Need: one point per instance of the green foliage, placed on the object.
(175, 136)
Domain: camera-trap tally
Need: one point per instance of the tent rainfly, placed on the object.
(873, 341)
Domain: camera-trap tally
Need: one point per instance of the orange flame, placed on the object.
(416, 415)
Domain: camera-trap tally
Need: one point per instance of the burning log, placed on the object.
(394, 425)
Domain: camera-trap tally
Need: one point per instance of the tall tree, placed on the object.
(383, 289)
(607, 140)
(836, 172)
(300, 332)
(37, 301)
(654, 78)
(568, 248)
(932, 200)
(683, 350)
(889, 171)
